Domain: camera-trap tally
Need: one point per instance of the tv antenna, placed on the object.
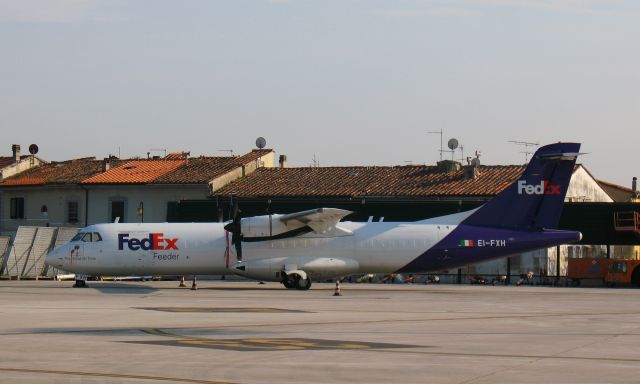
(475, 162)
(441, 143)
(316, 161)
(230, 151)
(527, 145)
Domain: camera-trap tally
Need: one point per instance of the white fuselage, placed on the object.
(201, 248)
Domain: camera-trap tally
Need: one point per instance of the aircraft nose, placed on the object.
(54, 257)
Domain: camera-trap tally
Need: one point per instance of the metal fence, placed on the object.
(26, 257)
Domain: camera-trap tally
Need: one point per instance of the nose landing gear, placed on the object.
(81, 281)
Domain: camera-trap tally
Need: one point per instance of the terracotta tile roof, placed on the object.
(135, 172)
(253, 155)
(198, 170)
(5, 161)
(172, 170)
(617, 192)
(401, 181)
(176, 156)
(65, 172)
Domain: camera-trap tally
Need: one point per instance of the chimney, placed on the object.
(448, 166)
(634, 187)
(471, 172)
(16, 152)
(472, 169)
(106, 164)
(283, 161)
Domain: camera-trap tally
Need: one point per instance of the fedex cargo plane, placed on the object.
(296, 249)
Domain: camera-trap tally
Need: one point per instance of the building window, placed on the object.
(117, 211)
(17, 207)
(72, 212)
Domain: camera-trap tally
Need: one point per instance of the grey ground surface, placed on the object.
(238, 332)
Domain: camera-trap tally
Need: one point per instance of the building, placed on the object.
(16, 163)
(11, 166)
(85, 191)
(620, 193)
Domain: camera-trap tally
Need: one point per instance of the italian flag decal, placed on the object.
(466, 243)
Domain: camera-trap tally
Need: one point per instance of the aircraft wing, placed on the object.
(321, 220)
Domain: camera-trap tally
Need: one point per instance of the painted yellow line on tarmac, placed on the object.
(222, 310)
(261, 344)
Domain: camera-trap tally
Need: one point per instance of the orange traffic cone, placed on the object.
(337, 290)
(194, 286)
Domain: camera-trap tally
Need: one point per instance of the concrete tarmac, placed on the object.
(242, 332)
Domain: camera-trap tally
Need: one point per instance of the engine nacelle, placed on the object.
(263, 226)
(317, 268)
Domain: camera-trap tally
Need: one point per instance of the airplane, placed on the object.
(298, 248)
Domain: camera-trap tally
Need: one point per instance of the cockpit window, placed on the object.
(87, 237)
(78, 236)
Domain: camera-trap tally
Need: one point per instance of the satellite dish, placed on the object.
(452, 144)
(475, 162)
(33, 149)
(261, 142)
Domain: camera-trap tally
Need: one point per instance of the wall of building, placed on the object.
(56, 199)
(154, 199)
(584, 188)
(53, 197)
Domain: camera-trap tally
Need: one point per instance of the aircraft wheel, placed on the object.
(80, 284)
(288, 283)
(303, 284)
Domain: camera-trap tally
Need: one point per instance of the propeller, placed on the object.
(235, 227)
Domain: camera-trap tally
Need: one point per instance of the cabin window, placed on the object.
(87, 237)
(17, 207)
(97, 236)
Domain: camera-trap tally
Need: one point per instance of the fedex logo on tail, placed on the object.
(544, 188)
(155, 242)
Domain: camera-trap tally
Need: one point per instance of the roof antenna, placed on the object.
(526, 145)
(440, 132)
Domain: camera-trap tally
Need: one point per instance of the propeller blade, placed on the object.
(235, 226)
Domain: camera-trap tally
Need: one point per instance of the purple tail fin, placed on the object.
(535, 200)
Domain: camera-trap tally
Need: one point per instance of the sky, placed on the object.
(342, 82)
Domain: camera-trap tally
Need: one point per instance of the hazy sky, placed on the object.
(353, 82)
